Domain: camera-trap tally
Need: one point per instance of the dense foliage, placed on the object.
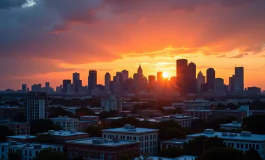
(4, 132)
(42, 125)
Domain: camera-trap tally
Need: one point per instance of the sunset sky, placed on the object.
(48, 40)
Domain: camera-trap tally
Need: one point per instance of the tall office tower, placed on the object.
(219, 84)
(182, 75)
(140, 71)
(159, 76)
(65, 84)
(125, 75)
(151, 79)
(239, 78)
(210, 76)
(119, 77)
(92, 80)
(36, 106)
(76, 82)
(24, 88)
(191, 78)
(47, 85)
(200, 81)
(136, 83)
(107, 81)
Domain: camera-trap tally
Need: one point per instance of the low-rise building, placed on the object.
(231, 126)
(176, 143)
(201, 114)
(89, 118)
(111, 104)
(28, 151)
(147, 136)
(83, 125)
(102, 149)
(21, 138)
(242, 141)
(66, 123)
(183, 120)
(62, 136)
(257, 112)
(18, 128)
(9, 112)
(185, 157)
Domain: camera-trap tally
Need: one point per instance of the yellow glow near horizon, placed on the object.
(165, 75)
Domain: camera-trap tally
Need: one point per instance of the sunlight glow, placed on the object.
(165, 75)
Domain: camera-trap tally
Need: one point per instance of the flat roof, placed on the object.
(12, 122)
(22, 136)
(109, 143)
(90, 116)
(63, 118)
(173, 141)
(124, 130)
(185, 157)
(253, 137)
(114, 118)
(177, 116)
(64, 133)
(29, 145)
(231, 125)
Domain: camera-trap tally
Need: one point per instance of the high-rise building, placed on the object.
(159, 76)
(47, 85)
(119, 77)
(182, 75)
(92, 80)
(200, 81)
(191, 78)
(125, 75)
(76, 82)
(239, 78)
(231, 86)
(210, 76)
(24, 88)
(65, 84)
(219, 84)
(151, 79)
(140, 71)
(36, 106)
(107, 81)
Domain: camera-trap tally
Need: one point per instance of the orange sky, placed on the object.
(52, 39)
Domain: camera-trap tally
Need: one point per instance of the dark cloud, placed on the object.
(7, 4)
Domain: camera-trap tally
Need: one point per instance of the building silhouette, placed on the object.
(210, 76)
(182, 75)
(36, 106)
(92, 80)
(191, 78)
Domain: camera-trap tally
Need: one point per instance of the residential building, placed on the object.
(36, 106)
(201, 114)
(18, 128)
(242, 141)
(62, 136)
(148, 137)
(231, 126)
(102, 149)
(176, 143)
(10, 112)
(66, 123)
(257, 112)
(89, 118)
(111, 104)
(21, 138)
(83, 125)
(28, 151)
(183, 120)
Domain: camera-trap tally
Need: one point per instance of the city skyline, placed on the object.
(110, 36)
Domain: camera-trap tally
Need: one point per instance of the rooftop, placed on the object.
(22, 136)
(89, 116)
(99, 141)
(113, 118)
(64, 133)
(243, 136)
(177, 116)
(174, 141)
(30, 146)
(233, 124)
(12, 122)
(63, 117)
(130, 129)
(177, 158)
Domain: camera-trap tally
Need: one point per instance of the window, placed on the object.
(246, 146)
(257, 146)
(242, 146)
(237, 145)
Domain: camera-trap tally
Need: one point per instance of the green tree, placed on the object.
(222, 154)
(94, 131)
(59, 111)
(198, 125)
(14, 156)
(42, 125)
(4, 132)
(254, 125)
(252, 154)
(175, 133)
(171, 152)
(83, 111)
(201, 144)
(48, 154)
(45, 138)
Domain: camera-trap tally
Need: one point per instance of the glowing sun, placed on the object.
(165, 75)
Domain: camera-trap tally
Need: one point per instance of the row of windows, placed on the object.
(141, 138)
(242, 146)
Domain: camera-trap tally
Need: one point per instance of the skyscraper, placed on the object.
(239, 78)
(200, 81)
(181, 75)
(151, 79)
(191, 78)
(159, 76)
(76, 82)
(125, 75)
(107, 81)
(47, 85)
(140, 71)
(65, 84)
(36, 106)
(210, 76)
(92, 80)
(24, 88)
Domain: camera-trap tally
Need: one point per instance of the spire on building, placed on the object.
(140, 70)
